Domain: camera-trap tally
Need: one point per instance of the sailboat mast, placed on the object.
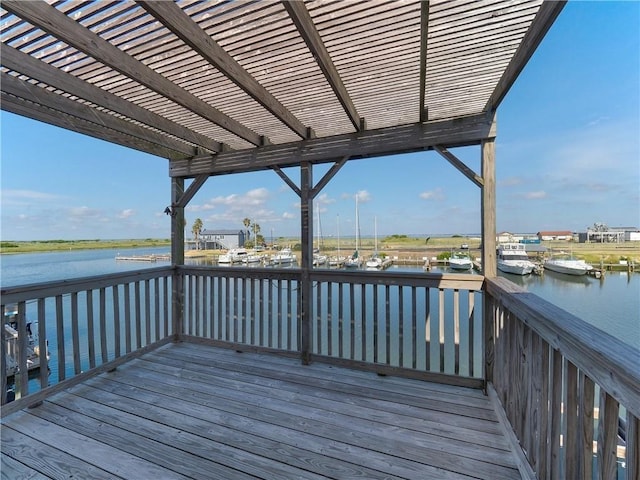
(375, 234)
(357, 224)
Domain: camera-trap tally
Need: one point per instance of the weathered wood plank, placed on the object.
(189, 409)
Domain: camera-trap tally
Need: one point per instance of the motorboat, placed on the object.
(319, 259)
(234, 255)
(567, 264)
(513, 258)
(460, 261)
(283, 257)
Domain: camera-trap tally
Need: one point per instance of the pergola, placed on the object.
(219, 87)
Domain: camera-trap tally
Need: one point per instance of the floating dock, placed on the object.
(144, 258)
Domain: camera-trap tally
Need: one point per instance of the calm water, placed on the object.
(611, 304)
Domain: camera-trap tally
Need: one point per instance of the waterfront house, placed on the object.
(191, 372)
(222, 239)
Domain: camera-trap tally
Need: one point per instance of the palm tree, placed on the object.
(247, 224)
(196, 229)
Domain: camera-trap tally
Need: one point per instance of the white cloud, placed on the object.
(535, 195)
(288, 216)
(127, 213)
(26, 197)
(432, 195)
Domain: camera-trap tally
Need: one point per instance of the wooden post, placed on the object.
(306, 289)
(177, 257)
(489, 267)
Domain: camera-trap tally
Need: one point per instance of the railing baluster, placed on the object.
(556, 416)
(103, 327)
(441, 338)
(147, 313)
(156, 309)
(352, 322)
(632, 450)
(587, 397)
(75, 335)
(545, 369)
(116, 320)
(138, 313)
(127, 317)
(218, 335)
(91, 337)
(471, 334)
(607, 436)
(42, 345)
(340, 320)
(22, 376)
(62, 365)
(363, 322)
(330, 319)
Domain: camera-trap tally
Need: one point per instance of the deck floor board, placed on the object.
(195, 411)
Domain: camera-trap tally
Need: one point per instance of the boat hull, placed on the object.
(568, 268)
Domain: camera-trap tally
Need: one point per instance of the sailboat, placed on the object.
(376, 262)
(355, 261)
(337, 260)
(318, 258)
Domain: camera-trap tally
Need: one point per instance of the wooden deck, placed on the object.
(194, 411)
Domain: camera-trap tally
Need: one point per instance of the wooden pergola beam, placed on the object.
(191, 190)
(38, 70)
(47, 99)
(182, 26)
(416, 137)
(460, 165)
(27, 109)
(424, 32)
(547, 14)
(56, 23)
(309, 33)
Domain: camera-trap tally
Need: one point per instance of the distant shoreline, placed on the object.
(42, 246)
(390, 245)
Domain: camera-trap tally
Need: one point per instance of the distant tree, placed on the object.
(247, 224)
(196, 229)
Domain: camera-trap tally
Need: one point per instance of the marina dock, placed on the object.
(144, 258)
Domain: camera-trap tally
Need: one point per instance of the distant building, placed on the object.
(610, 235)
(221, 239)
(555, 235)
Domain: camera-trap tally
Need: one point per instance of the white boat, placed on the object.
(11, 345)
(513, 258)
(319, 259)
(233, 255)
(252, 258)
(460, 261)
(567, 264)
(283, 257)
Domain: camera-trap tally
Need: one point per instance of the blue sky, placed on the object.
(568, 155)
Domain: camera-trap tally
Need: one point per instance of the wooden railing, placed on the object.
(86, 325)
(570, 391)
(390, 323)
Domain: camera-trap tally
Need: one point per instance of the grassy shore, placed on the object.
(10, 247)
(400, 246)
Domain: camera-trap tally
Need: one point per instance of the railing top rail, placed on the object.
(49, 289)
(243, 272)
(434, 280)
(458, 281)
(608, 361)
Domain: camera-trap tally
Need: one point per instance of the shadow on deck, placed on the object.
(195, 411)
